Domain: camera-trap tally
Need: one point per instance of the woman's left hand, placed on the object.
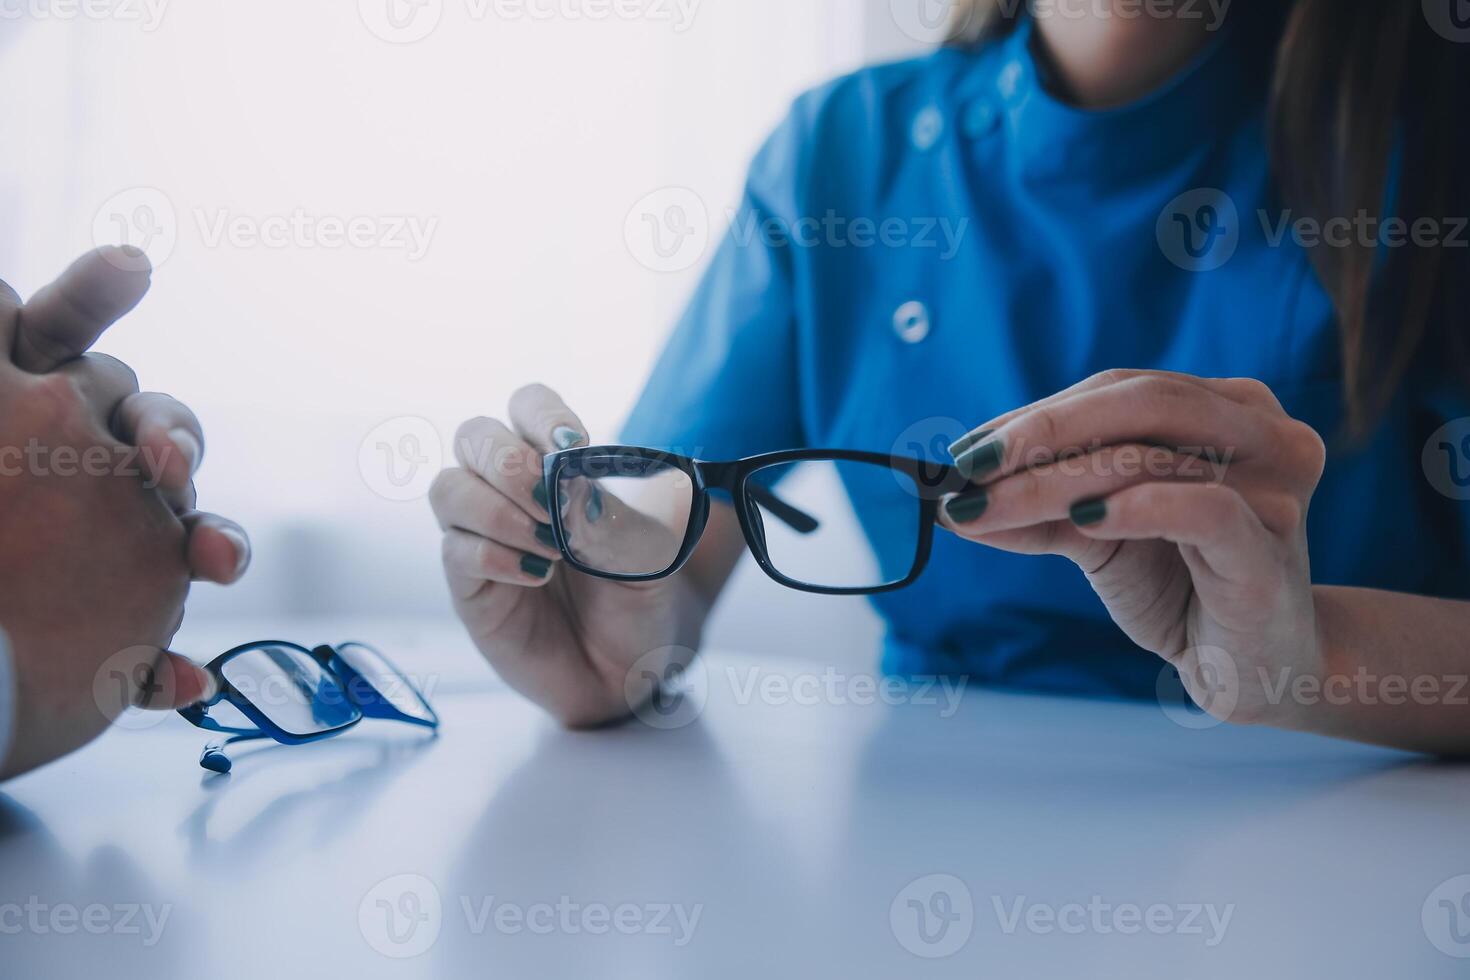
(1184, 500)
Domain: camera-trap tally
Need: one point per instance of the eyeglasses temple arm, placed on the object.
(798, 520)
(213, 757)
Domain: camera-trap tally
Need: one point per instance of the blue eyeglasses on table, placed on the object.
(296, 695)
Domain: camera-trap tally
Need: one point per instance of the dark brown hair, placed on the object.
(1357, 82)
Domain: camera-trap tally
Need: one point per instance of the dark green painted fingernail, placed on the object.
(980, 460)
(594, 505)
(536, 566)
(966, 441)
(1086, 513)
(538, 494)
(968, 506)
(566, 437)
(546, 535)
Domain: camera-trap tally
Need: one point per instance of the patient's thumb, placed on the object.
(177, 683)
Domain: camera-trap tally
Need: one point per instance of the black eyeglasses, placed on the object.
(635, 515)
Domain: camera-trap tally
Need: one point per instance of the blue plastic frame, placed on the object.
(365, 698)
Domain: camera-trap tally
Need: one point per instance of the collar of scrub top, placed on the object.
(1054, 138)
(213, 756)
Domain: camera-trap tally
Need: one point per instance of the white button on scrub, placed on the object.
(1009, 80)
(911, 322)
(928, 127)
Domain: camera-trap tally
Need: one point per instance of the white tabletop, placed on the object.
(787, 830)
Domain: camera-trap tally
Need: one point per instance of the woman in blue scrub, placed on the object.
(1193, 281)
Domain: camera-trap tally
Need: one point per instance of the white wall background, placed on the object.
(522, 142)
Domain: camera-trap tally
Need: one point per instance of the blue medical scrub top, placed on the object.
(1036, 244)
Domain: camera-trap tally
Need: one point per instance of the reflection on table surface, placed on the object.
(792, 826)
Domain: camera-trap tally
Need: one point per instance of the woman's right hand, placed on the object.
(589, 650)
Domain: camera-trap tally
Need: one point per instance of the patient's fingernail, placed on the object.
(128, 258)
(194, 683)
(187, 444)
(536, 566)
(566, 437)
(966, 441)
(538, 494)
(546, 535)
(980, 460)
(1086, 513)
(211, 687)
(242, 548)
(967, 507)
(594, 505)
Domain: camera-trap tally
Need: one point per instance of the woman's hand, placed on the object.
(1184, 500)
(587, 649)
